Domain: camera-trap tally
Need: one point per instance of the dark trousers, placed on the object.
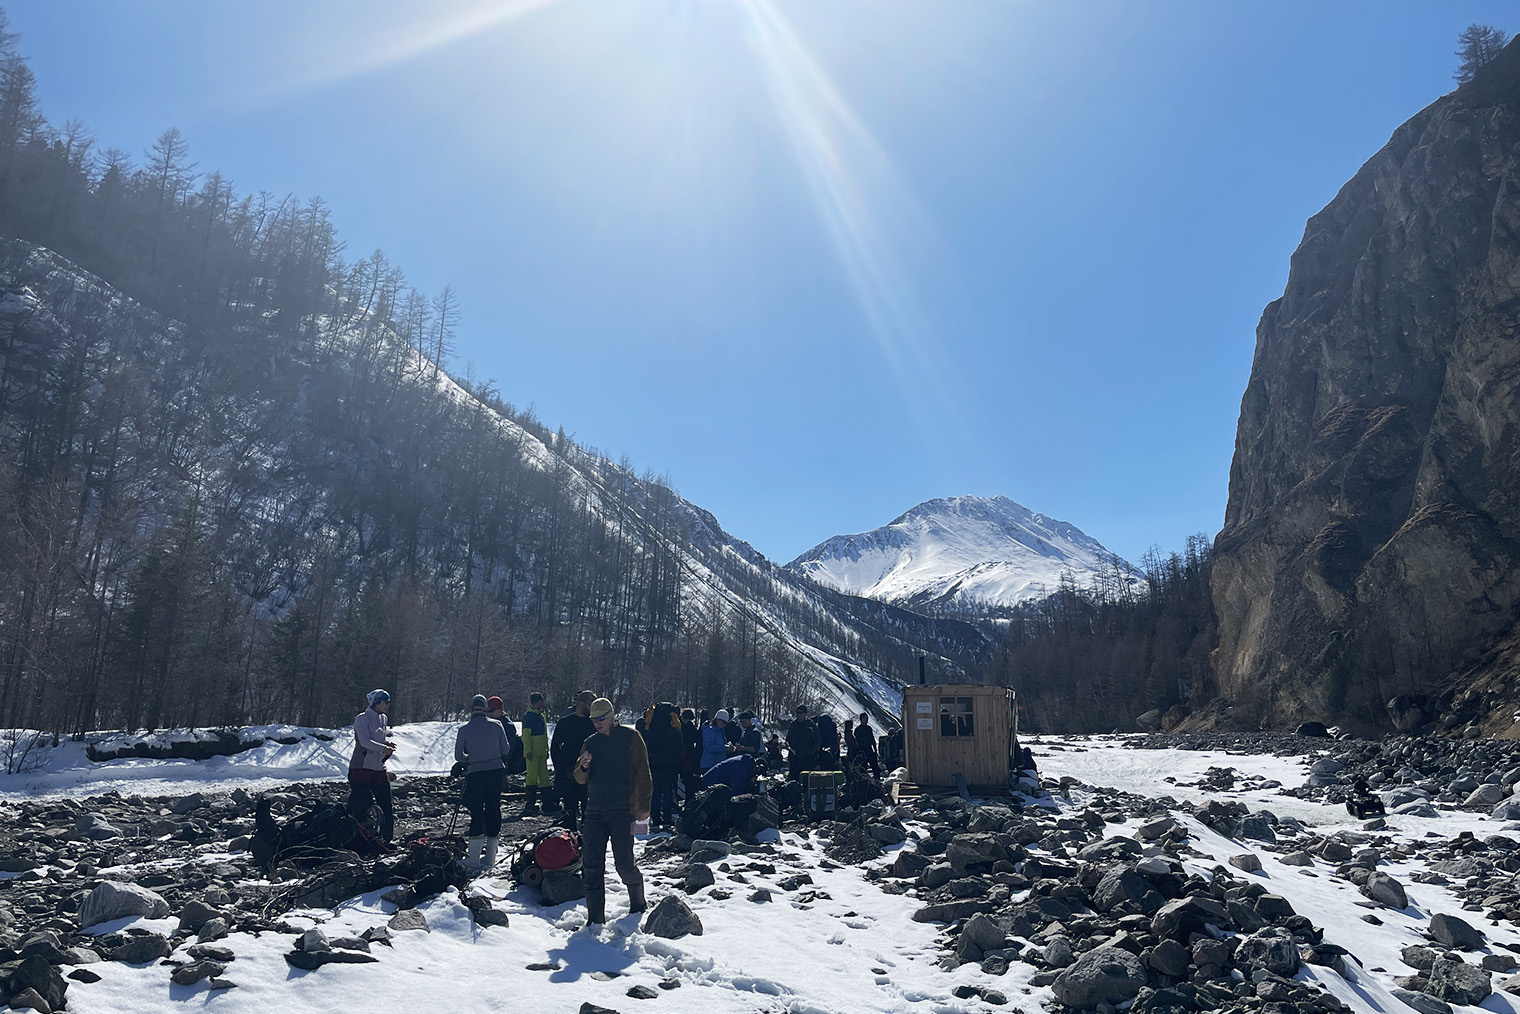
(693, 783)
(482, 798)
(664, 801)
(367, 787)
(796, 765)
(572, 795)
(598, 829)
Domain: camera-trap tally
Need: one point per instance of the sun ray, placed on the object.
(867, 210)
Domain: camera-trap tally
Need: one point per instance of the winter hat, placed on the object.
(535, 698)
(585, 697)
(601, 708)
(494, 704)
(746, 714)
(375, 697)
(721, 716)
(478, 702)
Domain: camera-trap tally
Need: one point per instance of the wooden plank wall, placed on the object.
(935, 760)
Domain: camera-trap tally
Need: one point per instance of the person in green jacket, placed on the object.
(535, 737)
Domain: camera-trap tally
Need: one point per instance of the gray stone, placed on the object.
(1450, 931)
(311, 960)
(194, 915)
(30, 999)
(950, 911)
(672, 919)
(1384, 890)
(141, 949)
(937, 875)
(113, 900)
(1102, 975)
(1122, 884)
(1499, 963)
(1059, 953)
(887, 834)
(558, 887)
(189, 975)
(213, 929)
(1270, 949)
(909, 864)
(1422, 1002)
(698, 876)
(1299, 858)
(1169, 958)
(1511, 985)
(984, 932)
(1455, 981)
(642, 993)
(410, 919)
(35, 974)
(1419, 957)
(95, 827)
(314, 940)
(1250, 862)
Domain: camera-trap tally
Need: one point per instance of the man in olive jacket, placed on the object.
(614, 767)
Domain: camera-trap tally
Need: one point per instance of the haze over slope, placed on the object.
(959, 552)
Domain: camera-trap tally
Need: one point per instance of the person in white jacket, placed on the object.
(368, 781)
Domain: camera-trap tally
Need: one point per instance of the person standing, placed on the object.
(614, 767)
(662, 737)
(714, 741)
(801, 745)
(751, 740)
(864, 751)
(368, 781)
(691, 754)
(569, 733)
(482, 746)
(535, 737)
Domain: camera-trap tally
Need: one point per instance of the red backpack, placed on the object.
(558, 851)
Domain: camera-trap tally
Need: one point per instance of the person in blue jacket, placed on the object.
(714, 741)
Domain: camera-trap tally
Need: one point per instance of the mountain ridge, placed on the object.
(960, 553)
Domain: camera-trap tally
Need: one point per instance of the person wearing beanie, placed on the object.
(569, 733)
(535, 737)
(613, 765)
(497, 710)
(714, 741)
(483, 748)
(369, 783)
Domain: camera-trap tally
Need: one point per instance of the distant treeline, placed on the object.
(1093, 659)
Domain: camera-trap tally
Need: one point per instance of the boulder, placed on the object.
(1450, 931)
(985, 933)
(34, 973)
(558, 887)
(1455, 981)
(1122, 884)
(1102, 975)
(114, 900)
(1384, 890)
(141, 949)
(672, 919)
(1271, 949)
(411, 919)
(1422, 1002)
(1169, 958)
(1250, 862)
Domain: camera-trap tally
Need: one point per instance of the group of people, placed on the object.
(607, 776)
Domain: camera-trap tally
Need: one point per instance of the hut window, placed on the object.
(955, 717)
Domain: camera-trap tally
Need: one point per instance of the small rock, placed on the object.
(1249, 863)
(672, 919)
(642, 993)
(189, 975)
(409, 919)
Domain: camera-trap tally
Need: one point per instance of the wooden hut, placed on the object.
(958, 729)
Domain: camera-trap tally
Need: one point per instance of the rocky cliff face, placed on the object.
(1371, 547)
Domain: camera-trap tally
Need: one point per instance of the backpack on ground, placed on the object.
(823, 789)
(707, 814)
(558, 850)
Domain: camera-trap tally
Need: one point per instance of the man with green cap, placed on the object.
(614, 766)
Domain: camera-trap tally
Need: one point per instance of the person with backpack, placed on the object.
(535, 739)
(864, 752)
(715, 741)
(368, 781)
(613, 765)
(828, 741)
(482, 746)
(662, 738)
(564, 747)
(691, 754)
(801, 745)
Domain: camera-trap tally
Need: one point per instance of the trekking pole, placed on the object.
(455, 818)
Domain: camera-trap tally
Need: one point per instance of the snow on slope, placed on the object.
(958, 551)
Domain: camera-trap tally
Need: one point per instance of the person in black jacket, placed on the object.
(864, 750)
(801, 745)
(662, 736)
(691, 754)
(570, 732)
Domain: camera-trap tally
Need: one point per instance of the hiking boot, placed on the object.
(489, 859)
(596, 909)
(472, 856)
(636, 902)
(530, 805)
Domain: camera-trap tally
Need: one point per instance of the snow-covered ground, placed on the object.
(838, 945)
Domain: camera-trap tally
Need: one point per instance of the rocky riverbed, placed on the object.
(1218, 889)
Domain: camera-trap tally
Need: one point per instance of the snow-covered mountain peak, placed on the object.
(959, 550)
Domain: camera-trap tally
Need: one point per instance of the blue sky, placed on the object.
(815, 261)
